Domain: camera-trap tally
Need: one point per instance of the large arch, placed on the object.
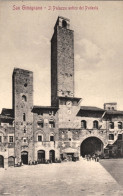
(24, 157)
(91, 145)
(1, 161)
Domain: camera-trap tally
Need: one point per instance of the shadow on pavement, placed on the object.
(115, 168)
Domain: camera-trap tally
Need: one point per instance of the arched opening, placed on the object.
(41, 156)
(24, 157)
(52, 155)
(11, 161)
(83, 124)
(1, 161)
(90, 146)
(64, 23)
(95, 124)
(24, 98)
(119, 125)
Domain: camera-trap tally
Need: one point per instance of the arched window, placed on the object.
(111, 125)
(40, 138)
(51, 124)
(24, 98)
(83, 124)
(52, 138)
(24, 117)
(64, 23)
(40, 123)
(95, 124)
(119, 125)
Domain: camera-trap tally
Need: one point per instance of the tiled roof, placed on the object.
(7, 112)
(91, 108)
(6, 117)
(41, 108)
(114, 112)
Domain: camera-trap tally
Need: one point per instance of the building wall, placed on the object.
(6, 148)
(62, 61)
(22, 105)
(46, 131)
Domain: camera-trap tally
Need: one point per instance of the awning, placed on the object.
(69, 150)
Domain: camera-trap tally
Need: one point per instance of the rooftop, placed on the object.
(91, 108)
(42, 108)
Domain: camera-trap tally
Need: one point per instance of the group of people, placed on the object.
(94, 157)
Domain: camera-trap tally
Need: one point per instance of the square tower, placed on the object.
(62, 61)
(22, 106)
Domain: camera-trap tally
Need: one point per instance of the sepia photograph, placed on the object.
(61, 98)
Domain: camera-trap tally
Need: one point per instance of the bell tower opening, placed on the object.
(64, 23)
(90, 146)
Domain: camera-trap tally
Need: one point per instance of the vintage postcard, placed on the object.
(61, 98)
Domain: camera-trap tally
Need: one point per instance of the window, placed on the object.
(24, 98)
(51, 124)
(25, 84)
(40, 124)
(0, 139)
(24, 117)
(111, 136)
(119, 137)
(83, 124)
(64, 23)
(11, 139)
(119, 125)
(95, 124)
(52, 138)
(24, 140)
(24, 130)
(111, 125)
(11, 123)
(39, 138)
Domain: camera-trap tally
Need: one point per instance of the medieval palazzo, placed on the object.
(64, 130)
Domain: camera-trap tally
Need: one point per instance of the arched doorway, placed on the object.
(41, 156)
(24, 157)
(11, 161)
(1, 161)
(91, 145)
(52, 155)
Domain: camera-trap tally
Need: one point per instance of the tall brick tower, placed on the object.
(22, 105)
(62, 61)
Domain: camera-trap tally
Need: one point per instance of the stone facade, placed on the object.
(64, 130)
(62, 60)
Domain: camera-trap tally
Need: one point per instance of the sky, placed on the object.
(98, 49)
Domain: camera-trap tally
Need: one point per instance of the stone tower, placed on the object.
(62, 61)
(22, 106)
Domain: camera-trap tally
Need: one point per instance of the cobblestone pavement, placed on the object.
(85, 178)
